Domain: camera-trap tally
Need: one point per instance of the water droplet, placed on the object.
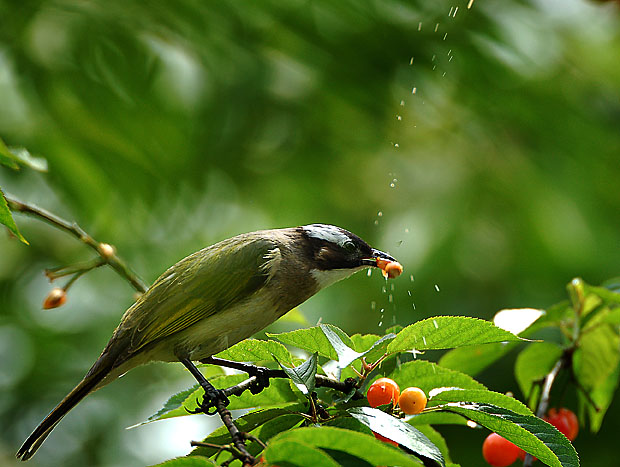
(409, 292)
(392, 286)
(414, 90)
(470, 4)
(390, 298)
(435, 323)
(420, 26)
(411, 277)
(380, 214)
(399, 118)
(396, 145)
(413, 305)
(411, 61)
(376, 222)
(380, 323)
(436, 287)
(406, 230)
(369, 273)
(444, 36)
(373, 305)
(436, 27)
(450, 12)
(383, 289)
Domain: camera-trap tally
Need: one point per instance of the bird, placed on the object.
(217, 297)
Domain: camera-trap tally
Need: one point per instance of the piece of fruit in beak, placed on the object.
(389, 269)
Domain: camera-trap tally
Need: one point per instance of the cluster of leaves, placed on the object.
(587, 327)
(296, 422)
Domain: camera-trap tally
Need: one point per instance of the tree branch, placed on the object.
(105, 251)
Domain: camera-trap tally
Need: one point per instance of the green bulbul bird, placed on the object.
(217, 297)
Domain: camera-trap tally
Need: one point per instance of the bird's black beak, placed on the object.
(377, 255)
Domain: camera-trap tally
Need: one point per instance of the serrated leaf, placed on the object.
(313, 340)
(427, 376)
(399, 431)
(437, 418)
(356, 444)
(6, 218)
(533, 363)
(530, 433)
(446, 332)
(254, 350)
(445, 395)
(304, 375)
(472, 359)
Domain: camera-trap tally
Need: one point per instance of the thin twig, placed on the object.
(237, 437)
(74, 229)
(543, 403)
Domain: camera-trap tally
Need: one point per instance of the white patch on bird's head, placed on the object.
(325, 278)
(329, 233)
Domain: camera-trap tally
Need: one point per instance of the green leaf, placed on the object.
(192, 461)
(254, 350)
(530, 433)
(313, 340)
(533, 363)
(23, 157)
(602, 396)
(346, 355)
(291, 452)
(304, 375)
(437, 418)
(427, 376)
(596, 356)
(295, 316)
(473, 359)
(397, 430)
(435, 437)
(445, 332)
(445, 395)
(6, 218)
(7, 158)
(356, 444)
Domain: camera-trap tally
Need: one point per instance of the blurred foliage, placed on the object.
(479, 146)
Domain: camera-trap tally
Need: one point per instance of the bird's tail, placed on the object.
(90, 382)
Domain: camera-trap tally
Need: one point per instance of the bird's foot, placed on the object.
(210, 400)
(262, 379)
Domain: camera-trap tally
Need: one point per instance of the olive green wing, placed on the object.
(199, 286)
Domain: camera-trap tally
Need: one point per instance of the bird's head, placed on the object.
(336, 253)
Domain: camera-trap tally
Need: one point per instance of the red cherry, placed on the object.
(498, 451)
(383, 391)
(565, 421)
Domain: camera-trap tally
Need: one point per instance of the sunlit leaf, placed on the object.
(304, 375)
(445, 332)
(355, 444)
(314, 340)
(397, 430)
(533, 363)
(254, 350)
(472, 359)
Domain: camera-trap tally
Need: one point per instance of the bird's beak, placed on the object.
(388, 264)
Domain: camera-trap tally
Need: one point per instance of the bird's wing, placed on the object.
(198, 286)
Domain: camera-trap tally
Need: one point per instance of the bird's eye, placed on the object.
(349, 246)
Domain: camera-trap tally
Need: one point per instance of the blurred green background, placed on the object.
(480, 146)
